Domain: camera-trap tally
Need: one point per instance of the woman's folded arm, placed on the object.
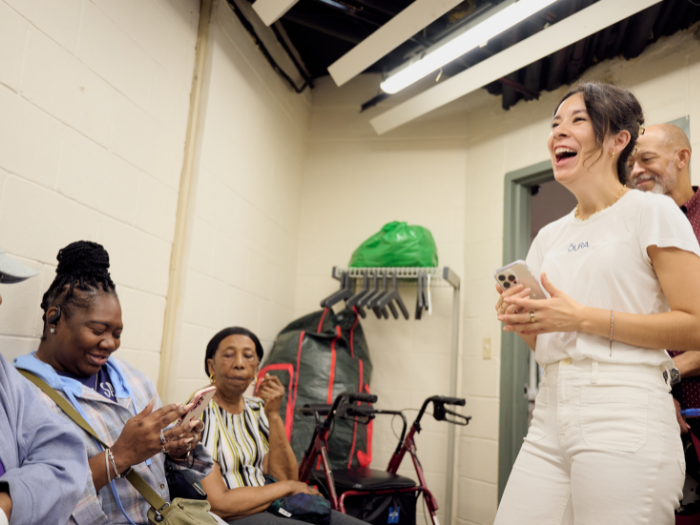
(242, 501)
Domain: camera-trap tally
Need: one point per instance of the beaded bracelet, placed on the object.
(107, 453)
(612, 325)
(114, 464)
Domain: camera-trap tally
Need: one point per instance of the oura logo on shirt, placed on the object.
(577, 247)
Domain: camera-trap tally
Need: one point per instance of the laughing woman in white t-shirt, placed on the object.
(622, 273)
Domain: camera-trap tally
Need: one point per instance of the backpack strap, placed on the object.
(143, 488)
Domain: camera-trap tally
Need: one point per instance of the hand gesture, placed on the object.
(514, 291)
(272, 392)
(183, 439)
(559, 313)
(140, 438)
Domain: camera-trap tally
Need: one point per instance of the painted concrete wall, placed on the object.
(94, 96)
(446, 171)
(242, 243)
(354, 183)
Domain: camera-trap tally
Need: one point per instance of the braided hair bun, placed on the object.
(83, 265)
(84, 259)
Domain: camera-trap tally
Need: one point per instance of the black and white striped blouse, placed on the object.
(238, 442)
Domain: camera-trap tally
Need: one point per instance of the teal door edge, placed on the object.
(515, 355)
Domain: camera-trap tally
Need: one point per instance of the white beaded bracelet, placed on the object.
(109, 479)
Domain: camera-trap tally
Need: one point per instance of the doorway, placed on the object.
(533, 199)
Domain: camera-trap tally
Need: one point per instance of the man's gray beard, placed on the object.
(658, 188)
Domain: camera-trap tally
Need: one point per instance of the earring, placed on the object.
(613, 155)
(255, 380)
(212, 379)
(52, 330)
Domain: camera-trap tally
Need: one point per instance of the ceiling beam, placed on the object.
(270, 11)
(391, 35)
(569, 31)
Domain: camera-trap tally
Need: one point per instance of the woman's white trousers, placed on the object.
(604, 448)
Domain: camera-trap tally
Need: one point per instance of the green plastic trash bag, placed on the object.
(397, 245)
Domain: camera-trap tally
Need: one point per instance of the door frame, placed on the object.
(515, 355)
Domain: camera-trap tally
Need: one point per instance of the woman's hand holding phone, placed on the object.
(559, 313)
(514, 291)
(183, 439)
(140, 437)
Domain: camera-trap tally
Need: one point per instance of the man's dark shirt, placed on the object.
(688, 391)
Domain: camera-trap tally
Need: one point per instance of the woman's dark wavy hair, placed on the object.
(215, 341)
(83, 267)
(612, 109)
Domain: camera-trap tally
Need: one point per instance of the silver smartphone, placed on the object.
(518, 273)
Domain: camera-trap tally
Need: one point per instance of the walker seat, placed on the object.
(375, 496)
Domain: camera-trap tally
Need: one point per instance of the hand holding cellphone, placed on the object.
(199, 402)
(518, 273)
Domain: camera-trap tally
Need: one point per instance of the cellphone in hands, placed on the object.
(518, 273)
(199, 402)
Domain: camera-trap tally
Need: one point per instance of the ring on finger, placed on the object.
(162, 437)
(532, 317)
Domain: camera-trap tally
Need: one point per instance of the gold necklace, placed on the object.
(578, 216)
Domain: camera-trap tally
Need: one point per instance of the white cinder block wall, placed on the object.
(94, 97)
(446, 172)
(354, 183)
(241, 262)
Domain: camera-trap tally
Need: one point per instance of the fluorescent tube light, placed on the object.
(388, 37)
(572, 29)
(467, 41)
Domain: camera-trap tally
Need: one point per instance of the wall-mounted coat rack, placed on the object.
(377, 289)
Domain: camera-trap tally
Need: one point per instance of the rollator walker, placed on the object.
(377, 496)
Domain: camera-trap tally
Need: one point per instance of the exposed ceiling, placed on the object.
(322, 31)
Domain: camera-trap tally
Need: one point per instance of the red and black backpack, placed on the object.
(316, 357)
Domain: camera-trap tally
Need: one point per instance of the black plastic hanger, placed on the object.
(355, 299)
(365, 300)
(420, 302)
(381, 311)
(345, 292)
(393, 295)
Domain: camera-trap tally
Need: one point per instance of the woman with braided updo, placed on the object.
(82, 329)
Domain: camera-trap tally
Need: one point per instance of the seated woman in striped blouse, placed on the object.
(246, 437)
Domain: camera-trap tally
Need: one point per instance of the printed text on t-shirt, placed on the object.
(575, 248)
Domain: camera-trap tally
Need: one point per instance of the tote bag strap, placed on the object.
(143, 488)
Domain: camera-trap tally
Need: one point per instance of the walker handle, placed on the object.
(460, 402)
(364, 398)
(320, 409)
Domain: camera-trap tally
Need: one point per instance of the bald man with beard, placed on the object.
(661, 164)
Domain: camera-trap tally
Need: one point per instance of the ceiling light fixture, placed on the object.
(566, 32)
(465, 42)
